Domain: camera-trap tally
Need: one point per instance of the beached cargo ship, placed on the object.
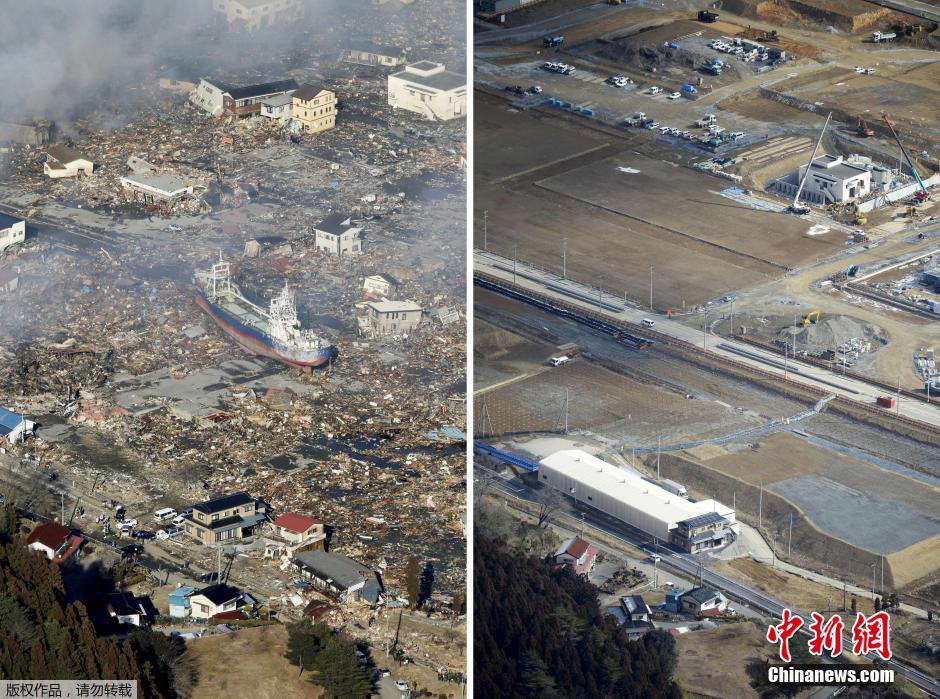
(275, 333)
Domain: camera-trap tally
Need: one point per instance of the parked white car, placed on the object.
(675, 95)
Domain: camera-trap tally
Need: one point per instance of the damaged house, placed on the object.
(393, 317)
(338, 576)
(156, 189)
(430, 90)
(220, 99)
(380, 286)
(12, 231)
(252, 15)
(314, 108)
(365, 53)
(291, 532)
(336, 235)
(62, 161)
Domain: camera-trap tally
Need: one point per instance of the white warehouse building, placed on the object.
(624, 495)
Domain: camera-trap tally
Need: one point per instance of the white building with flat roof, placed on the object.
(154, 189)
(430, 90)
(833, 179)
(623, 494)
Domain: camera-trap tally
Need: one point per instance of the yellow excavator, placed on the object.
(811, 317)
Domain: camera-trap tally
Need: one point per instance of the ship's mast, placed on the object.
(221, 280)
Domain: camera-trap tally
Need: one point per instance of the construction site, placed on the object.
(720, 273)
(155, 381)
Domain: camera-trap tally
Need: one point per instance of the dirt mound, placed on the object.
(832, 332)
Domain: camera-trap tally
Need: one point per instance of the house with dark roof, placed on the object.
(234, 516)
(314, 108)
(57, 543)
(367, 53)
(336, 235)
(701, 600)
(577, 554)
(702, 533)
(217, 599)
(124, 608)
(338, 576)
(430, 90)
(220, 99)
(14, 427)
(633, 614)
(62, 161)
(12, 230)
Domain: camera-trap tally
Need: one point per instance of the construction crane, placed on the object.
(795, 207)
(923, 194)
(864, 130)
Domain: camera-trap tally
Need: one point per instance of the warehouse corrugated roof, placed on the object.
(629, 487)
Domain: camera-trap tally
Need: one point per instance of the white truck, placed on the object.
(878, 37)
(558, 361)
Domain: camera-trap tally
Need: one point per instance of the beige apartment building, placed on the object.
(314, 108)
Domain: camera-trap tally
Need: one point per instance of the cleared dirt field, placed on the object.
(260, 653)
(604, 402)
(714, 662)
(700, 244)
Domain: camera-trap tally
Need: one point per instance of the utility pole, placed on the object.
(62, 508)
(844, 596)
(485, 212)
(514, 250)
(873, 566)
(651, 288)
(564, 259)
(705, 332)
(882, 575)
(566, 411)
(897, 403)
(732, 316)
(790, 537)
(760, 507)
(659, 450)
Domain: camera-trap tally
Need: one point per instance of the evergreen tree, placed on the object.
(413, 582)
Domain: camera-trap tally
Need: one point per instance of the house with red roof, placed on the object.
(57, 543)
(291, 532)
(577, 554)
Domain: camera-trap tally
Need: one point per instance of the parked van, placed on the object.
(164, 514)
(648, 323)
(558, 361)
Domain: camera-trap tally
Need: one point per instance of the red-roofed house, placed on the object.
(55, 542)
(292, 532)
(577, 554)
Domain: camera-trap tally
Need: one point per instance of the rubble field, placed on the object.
(140, 399)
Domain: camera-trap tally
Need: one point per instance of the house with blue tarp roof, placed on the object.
(14, 427)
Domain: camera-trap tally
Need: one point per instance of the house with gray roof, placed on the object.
(338, 576)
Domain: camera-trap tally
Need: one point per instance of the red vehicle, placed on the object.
(886, 401)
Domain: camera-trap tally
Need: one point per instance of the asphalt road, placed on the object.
(596, 301)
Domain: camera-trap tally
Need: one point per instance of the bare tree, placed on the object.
(550, 502)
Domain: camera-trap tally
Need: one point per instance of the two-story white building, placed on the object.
(12, 231)
(430, 90)
(336, 235)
